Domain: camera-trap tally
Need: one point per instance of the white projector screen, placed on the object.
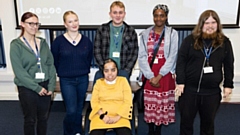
(138, 12)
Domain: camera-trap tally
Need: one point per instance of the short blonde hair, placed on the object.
(117, 3)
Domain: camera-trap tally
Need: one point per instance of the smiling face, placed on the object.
(117, 14)
(210, 26)
(30, 25)
(159, 17)
(71, 22)
(110, 71)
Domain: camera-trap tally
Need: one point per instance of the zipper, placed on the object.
(211, 52)
(215, 49)
(200, 79)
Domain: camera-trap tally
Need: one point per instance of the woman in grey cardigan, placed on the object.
(159, 88)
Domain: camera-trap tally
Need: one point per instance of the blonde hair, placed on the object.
(68, 13)
(117, 3)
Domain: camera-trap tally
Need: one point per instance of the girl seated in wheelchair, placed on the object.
(111, 103)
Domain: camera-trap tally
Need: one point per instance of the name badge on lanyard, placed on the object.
(157, 45)
(116, 54)
(39, 75)
(208, 68)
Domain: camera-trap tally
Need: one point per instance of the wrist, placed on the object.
(102, 115)
(159, 76)
(100, 112)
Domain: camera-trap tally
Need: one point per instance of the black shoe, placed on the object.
(157, 132)
(150, 133)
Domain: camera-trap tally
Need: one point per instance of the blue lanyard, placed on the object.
(156, 44)
(36, 54)
(117, 39)
(207, 54)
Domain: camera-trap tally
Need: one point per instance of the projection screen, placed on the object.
(92, 13)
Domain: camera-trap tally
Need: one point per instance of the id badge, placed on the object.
(155, 61)
(116, 54)
(39, 75)
(208, 70)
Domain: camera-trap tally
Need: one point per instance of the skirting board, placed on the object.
(234, 98)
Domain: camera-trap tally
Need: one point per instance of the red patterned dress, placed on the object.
(159, 102)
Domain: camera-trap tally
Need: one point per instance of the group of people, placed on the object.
(192, 71)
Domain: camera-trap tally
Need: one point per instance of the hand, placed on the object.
(49, 93)
(114, 119)
(106, 119)
(227, 92)
(179, 89)
(100, 112)
(174, 76)
(155, 81)
(43, 92)
(155, 85)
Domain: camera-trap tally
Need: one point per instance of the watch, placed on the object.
(102, 115)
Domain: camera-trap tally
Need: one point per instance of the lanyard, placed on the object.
(36, 54)
(207, 54)
(117, 38)
(156, 44)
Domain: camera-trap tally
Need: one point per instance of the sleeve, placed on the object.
(98, 48)
(125, 110)
(173, 51)
(55, 52)
(228, 66)
(18, 69)
(132, 58)
(52, 70)
(143, 60)
(95, 104)
(182, 61)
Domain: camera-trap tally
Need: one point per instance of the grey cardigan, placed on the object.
(170, 53)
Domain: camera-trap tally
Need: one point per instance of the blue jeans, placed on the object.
(73, 93)
(99, 74)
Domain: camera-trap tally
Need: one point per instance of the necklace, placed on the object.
(73, 39)
(117, 30)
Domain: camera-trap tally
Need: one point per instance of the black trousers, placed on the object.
(205, 105)
(119, 131)
(35, 110)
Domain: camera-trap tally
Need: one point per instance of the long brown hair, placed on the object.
(25, 16)
(197, 31)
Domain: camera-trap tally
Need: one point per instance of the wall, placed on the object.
(8, 89)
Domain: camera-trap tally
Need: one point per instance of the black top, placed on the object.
(190, 63)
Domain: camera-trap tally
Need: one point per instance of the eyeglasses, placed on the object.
(32, 24)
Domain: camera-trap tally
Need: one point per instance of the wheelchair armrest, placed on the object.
(84, 112)
(135, 110)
